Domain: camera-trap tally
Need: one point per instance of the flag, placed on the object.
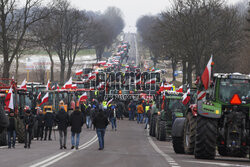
(45, 98)
(79, 72)
(109, 102)
(8, 97)
(23, 85)
(151, 81)
(48, 85)
(206, 76)
(92, 88)
(101, 85)
(83, 97)
(201, 94)
(54, 87)
(74, 86)
(163, 100)
(39, 96)
(138, 82)
(102, 62)
(153, 69)
(68, 84)
(186, 97)
(91, 76)
(180, 89)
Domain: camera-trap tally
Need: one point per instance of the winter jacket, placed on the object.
(49, 119)
(140, 109)
(132, 106)
(62, 119)
(12, 123)
(100, 121)
(29, 121)
(76, 121)
(40, 119)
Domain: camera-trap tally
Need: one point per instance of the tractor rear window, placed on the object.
(175, 105)
(230, 87)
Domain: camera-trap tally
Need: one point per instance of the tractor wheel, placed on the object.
(222, 150)
(205, 139)
(3, 138)
(157, 122)
(152, 126)
(189, 133)
(20, 132)
(241, 153)
(162, 130)
(178, 145)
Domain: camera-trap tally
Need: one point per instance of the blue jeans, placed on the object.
(130, 114)
(13, 134)
(88, 122)
(100, 134)
(139, 118)
(73, 139)
(146, 122)
(113, 122)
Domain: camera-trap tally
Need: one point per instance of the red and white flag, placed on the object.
(138, 82)
(102, 62)
(23, 85)
(83, 97)
(54, 87)
(206, 76)
(79, 72)
(201, 94)
(45, 98)
(9, 99)
(39, 96)
(151, 81)
(180, 89)
(74, 86)
(92, 88)
(109, 102)
(48, 85)
(91, 76)
(153, 69)
(186, 97)
(101, 85)
(68, 84)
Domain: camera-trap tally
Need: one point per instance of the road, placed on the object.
(129, 146)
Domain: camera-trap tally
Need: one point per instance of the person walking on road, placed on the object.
(62, 119)
(76, 122)
(11, 129)
(49, 122)
(147, 115)
(40, 127)
(140, 112)
(100, 122)
(88, 116)
(112, 117)
(28, 124)
(132, 110)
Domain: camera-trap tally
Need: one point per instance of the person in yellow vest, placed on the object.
(147, 115)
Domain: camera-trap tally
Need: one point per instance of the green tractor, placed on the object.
(161, 121)
(222, 120)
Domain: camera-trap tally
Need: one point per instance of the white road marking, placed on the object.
(169, 159)
(62, 155)
(217, 163)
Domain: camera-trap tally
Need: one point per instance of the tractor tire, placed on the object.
(222, 150)
(157, 127)
(152, 126)
(189, 133)
(178, 145)
(205, 139)
(20, 132)
(241, 153)
(3, 138)
(162, 131)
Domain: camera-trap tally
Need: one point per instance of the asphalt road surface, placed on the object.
(129, 146)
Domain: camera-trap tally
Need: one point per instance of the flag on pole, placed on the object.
(180, 89)
(83, 97)
(68, 84)
(39, 96)
(109, 102)
(45, 98)
(79, 72)
(48, 85)
(8, 97)
(186, 97)
(206, 76)
(74, 86)
(151, 81)
(23, 85)
(201, 94)
(91, 76)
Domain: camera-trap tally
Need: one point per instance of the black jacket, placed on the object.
(100, 121)
(12, 123)
(132, 106)
(49, 119)
(76, 121)
(40, 119)
(29, 120)
(62, 119)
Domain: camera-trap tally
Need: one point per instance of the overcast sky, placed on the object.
(132, 9)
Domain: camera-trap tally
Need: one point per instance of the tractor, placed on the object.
(161, 121)
(220, 120)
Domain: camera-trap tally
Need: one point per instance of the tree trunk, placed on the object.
(99, 52)
(184, 72)
(174, 69)
(6, 69)
(69, 70)
(51, 68)
(189, 74)
(62, 73)
(17, 66)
